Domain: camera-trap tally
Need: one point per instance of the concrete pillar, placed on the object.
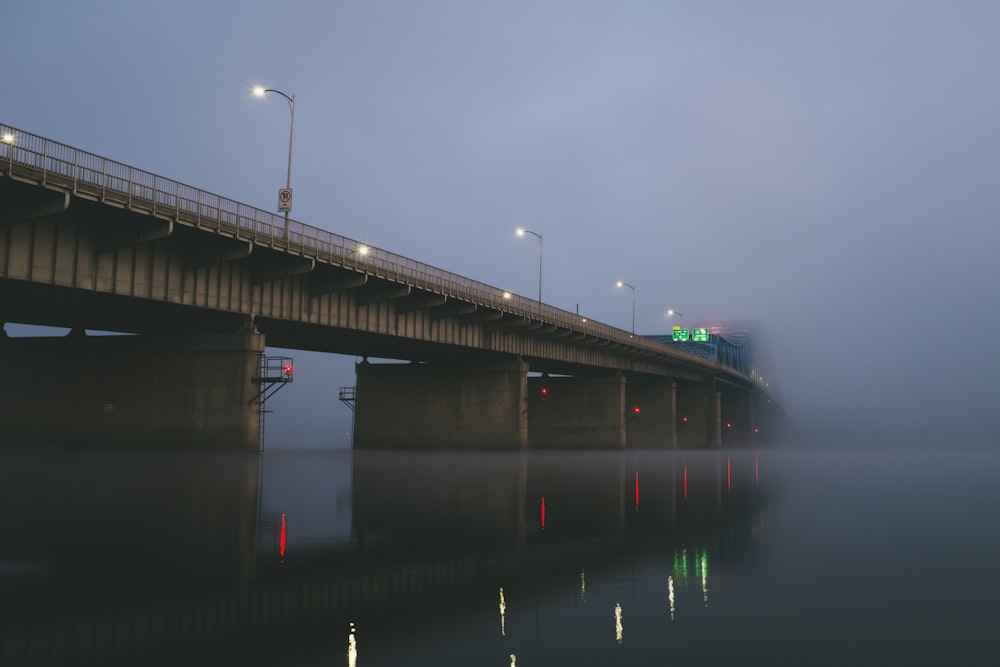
(173, 391)
(714, 421)
(654, 425)
(567, 412)
(699, 416)
(737, 417)
(469, 406)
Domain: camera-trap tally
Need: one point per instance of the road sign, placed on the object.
(284, 200)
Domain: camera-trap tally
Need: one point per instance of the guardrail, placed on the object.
(57, 165)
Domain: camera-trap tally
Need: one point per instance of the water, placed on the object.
(769, 557)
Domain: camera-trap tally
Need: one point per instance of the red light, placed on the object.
(288, 369)
(729, 424)
(543, 512)
(636, 409)
(756, 430)
(684, 419)
(545, 391)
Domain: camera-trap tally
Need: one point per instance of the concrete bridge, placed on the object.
(88, 243)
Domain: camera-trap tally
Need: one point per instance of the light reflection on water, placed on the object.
(735, 557)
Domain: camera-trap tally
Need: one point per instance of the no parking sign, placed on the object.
(284, 200)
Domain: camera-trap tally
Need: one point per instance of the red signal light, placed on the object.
(684, 419)
(729, 424)
(544, 391)
(288, 369)
(636, 409)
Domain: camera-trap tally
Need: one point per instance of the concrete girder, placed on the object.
(293, 266)
(387, 292)
(237, 250)
(324, 284)
(420, 301)
(51, 203)
(453, 308)
(480, 316)
(508, 323)
(161, 229)
(553, 331)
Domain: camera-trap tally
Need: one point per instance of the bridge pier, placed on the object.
(175, 391)
(651, 414)
(441, 406)
(576, 412)
(699, 416)
(737, 418)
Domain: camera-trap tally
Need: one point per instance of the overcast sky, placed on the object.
(829, 169)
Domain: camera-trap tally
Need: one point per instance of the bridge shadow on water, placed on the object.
(385, 557)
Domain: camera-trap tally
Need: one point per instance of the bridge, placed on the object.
(197, 284)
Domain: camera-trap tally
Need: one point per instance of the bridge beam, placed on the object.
(424, 301)
(324, 284)
(234, 252)
(46, 204)
(161, 229)
(441, 406)
(453, 308)
(388, 292)
(176, 391)
(291, 267)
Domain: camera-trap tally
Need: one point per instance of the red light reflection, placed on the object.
(282, 538)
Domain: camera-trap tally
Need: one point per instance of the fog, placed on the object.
(828, 170)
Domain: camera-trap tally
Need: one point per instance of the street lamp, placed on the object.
(7, 137)
(261, 91)
(521, 232)
(621, 284)
(671, 312)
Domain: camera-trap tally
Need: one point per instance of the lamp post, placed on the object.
(521, 232)
(671, 312)
(621, 284)
(261, 91)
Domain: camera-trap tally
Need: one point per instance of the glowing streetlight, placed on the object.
(521, 232)
(7, 137)
(621, 284)
(283, 204)
(671, 312)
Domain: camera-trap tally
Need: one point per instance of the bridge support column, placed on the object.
(654, 425)
(175, 391)
(737, 417)
(576, 412)
(699, 417)
(441, 406)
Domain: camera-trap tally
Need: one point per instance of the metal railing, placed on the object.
(52, 164)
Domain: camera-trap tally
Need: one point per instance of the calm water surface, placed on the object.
(767, 557)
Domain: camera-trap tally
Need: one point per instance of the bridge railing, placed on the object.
(54, 164)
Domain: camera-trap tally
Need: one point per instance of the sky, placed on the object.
(828, 170)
